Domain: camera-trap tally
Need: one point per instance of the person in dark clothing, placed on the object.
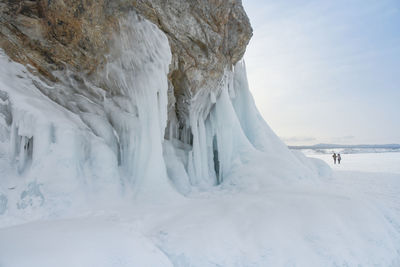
(334, 158)
(339, 158)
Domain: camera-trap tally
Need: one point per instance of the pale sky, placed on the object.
(326, 71)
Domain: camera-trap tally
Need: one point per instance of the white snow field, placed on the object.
(88, 179)
(388, 162)
(350, 220)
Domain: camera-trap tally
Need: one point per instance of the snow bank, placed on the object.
(293, 227)
(353, 220)
(79, 243)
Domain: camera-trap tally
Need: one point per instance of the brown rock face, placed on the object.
(51, 35)
(205, 36)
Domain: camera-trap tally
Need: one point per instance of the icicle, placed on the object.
(137, 68)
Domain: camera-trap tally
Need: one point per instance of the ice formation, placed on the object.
(129, 186)
(92, 139)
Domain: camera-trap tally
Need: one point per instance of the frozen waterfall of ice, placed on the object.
(92, 141)
(229, 135)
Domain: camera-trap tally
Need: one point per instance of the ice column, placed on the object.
(218, 139)
(227, 129)
(136, 75)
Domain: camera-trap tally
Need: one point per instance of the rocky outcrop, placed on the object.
(206, 37)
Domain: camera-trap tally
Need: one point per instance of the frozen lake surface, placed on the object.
(388, 162)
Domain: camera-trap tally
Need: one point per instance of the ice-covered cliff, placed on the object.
(111, 99)
(129, 137)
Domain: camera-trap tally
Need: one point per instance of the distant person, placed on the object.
(339, 158)
(334, 158)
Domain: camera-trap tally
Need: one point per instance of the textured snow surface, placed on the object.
(351, 220)
(87, 178)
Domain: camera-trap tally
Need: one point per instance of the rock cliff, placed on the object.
(116, 98)
(206, 37)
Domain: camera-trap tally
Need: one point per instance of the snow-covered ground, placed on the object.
(352, 219)
(365, 162)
